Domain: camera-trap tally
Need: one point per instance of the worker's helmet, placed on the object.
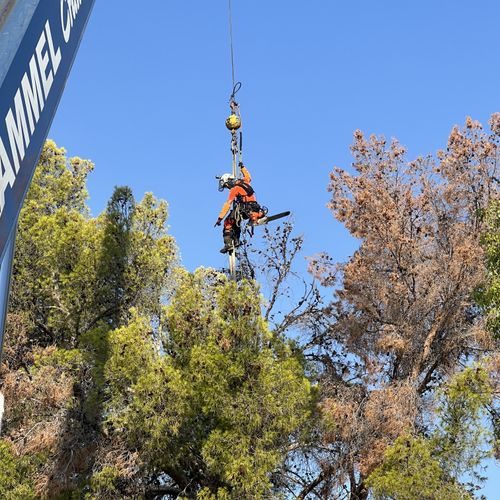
(226, 180)
(233, 122)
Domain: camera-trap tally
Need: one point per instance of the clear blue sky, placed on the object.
(147, 100)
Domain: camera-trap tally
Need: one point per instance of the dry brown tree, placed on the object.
(403, 318)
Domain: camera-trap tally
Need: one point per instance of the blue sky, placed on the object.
(147, 100)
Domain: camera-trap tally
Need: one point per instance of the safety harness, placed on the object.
(248, 189)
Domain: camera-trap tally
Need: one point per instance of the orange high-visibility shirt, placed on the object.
(235, 191)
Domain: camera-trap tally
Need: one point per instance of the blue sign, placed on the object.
(29, 96)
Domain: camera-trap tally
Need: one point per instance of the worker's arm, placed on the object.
(225, 209)
(246, 174)
(227, 205)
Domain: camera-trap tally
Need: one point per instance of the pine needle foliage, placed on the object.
(216, 409)
(112, 393)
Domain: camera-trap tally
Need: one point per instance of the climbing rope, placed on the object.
(233, 123)
(230, 10)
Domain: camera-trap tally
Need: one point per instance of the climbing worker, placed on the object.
(242, 196)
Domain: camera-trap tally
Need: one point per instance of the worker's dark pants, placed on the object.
(232, 230)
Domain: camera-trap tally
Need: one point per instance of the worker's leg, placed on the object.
(227, 234)
(230, 233)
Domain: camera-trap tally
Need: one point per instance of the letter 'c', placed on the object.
(66, 29)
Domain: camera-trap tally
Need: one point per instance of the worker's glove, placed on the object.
(219, 220)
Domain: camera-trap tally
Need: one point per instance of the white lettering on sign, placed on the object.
(32, 92)
(42, 58)
(55, 55)
(29, 101)
(69, 11)
(7, 176)
(17, 129)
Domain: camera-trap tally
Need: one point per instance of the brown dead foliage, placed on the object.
(17, 349)
(45, 416)
(403, 315)
(38, 417)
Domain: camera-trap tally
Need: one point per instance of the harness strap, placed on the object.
(248, 189)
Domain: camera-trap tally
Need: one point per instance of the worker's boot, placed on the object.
(228, 241)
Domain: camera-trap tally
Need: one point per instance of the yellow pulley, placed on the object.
(233, 122)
